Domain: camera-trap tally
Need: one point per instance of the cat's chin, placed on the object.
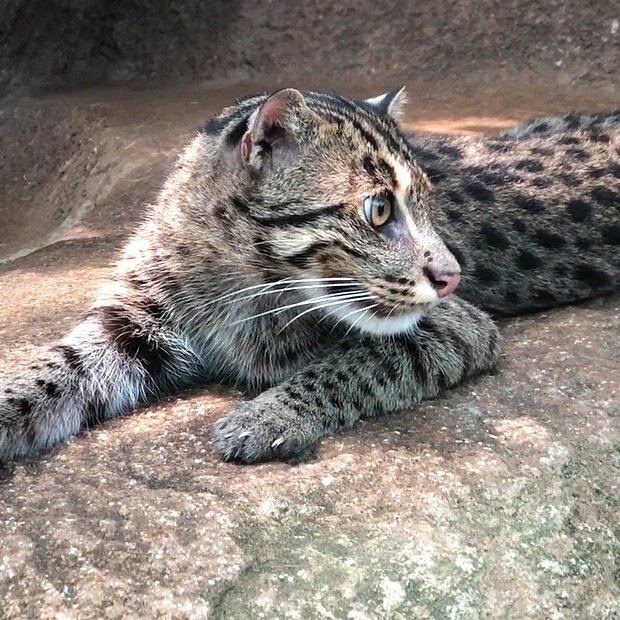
(376, 324)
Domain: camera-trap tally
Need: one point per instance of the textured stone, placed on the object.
(500, 500)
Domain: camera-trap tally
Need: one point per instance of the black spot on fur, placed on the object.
(519, 225)
(134, 340)
(611, 235)
(560, 270)
(583, 243)
(545, 151)
(614, 170)
(71, 357)
(570, 180)
(605, 196)
(214, 125)
(423, 154)
(529, 165)
(451, 151)
(496, 177)
(550, 240)
(479, 192)
(540, 128)
(569, 140)
(236, 133)
(494, 237)
(528, 260)
(531, 205)
(458, 254)
(600, 137)
(486, 275)
(221, 211)
(592, 276)
(454, 216)
(542, 182)
(341, 377)
(50, 388)
(434, 174)
(572, 120)
(240, 205)
(579, 210)
(23, 405)
(454, 196)
(498, 147)
(578, 154)
(8, 391)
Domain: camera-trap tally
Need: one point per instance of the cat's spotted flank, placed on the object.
(299, 248)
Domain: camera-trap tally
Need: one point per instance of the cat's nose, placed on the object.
(444, 282)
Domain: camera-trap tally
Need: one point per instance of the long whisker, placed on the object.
(343, 318)
(320, 307)
(361, 316)
(278, 283)
(286, 289)
(339, 296)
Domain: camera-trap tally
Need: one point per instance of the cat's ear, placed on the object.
(275, 128)
(390, 104)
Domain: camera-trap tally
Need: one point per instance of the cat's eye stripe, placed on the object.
(298, 219)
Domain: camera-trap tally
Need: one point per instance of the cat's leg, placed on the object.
(117, 358)
(363, 377)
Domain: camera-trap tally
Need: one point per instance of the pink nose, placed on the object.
(444, 282)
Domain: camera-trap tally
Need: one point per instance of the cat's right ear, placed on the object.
(275, 129)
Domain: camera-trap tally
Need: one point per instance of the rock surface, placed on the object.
(70, 42)
(501, 500)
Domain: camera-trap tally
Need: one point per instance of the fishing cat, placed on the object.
(294, 250)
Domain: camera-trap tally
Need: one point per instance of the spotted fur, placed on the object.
(258, 267)
(532, 216)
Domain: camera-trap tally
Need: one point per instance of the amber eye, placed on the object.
(378, 209)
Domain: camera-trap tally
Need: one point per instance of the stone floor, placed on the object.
(501, 500)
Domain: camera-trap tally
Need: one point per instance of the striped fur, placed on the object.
(258, 267)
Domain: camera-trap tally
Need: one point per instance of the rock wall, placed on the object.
(69, 42)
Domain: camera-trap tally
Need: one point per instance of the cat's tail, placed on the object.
(111, 362)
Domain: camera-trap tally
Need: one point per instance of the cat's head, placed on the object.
(336, 204)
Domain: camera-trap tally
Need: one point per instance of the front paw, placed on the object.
(260, 430)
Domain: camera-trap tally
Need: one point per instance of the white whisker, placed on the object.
(341, 297)
(278, 283)
(361, 316)
(287, 289)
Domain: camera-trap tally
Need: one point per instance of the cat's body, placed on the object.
(533, 221)
(291, 250)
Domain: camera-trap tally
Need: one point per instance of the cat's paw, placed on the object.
(259, 430)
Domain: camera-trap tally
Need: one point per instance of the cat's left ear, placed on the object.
(275, 130)
(390, 104)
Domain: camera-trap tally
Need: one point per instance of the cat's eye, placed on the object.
(378, 209)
